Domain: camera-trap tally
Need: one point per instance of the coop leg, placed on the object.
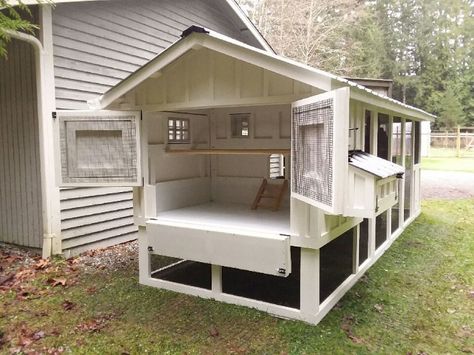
(143, 256)
(309, 283)
(216, 278)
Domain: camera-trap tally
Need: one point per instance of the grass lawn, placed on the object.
(448, 164)
(418, 298)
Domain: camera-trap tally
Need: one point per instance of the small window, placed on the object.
(178, 130)
(277, 166)
(240, 125)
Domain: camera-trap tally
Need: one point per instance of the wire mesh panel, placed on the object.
(319, 148)
(99, 148)
(312, 154)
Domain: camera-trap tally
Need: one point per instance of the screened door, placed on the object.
(98, 148)
(319, 148)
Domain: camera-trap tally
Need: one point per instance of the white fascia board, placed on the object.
(370, 97)
(250, 25)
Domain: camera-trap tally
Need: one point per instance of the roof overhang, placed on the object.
(217, 42)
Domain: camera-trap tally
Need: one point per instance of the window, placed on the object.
(277, 166)
(178, 130)
(240, 125)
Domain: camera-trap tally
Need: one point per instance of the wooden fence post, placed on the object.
(458, 142)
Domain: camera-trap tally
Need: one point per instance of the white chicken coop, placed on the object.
(266, 183)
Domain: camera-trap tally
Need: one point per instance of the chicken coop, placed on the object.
(258, 181)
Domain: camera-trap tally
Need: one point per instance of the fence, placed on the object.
(458, 142)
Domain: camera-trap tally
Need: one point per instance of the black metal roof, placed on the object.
(375, 165)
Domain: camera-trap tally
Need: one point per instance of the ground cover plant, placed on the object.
(417, 299)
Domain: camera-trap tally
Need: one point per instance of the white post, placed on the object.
(309, 282)
(144, 263)
(216, 283)
(355, 250)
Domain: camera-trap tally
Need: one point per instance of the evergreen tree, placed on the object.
(12, 18)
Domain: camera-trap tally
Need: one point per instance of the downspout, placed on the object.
(45, 105)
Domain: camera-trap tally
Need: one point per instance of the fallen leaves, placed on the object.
(214, 332)
(60, 281)
(346, 325)
(68, 305)
(26, 337)
(95, 324)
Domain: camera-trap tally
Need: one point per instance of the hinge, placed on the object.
(143, 181)
(282, 271)
(54, 115)
(150, 249)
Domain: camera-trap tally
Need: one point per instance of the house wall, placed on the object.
(96, 45)
(20, 183)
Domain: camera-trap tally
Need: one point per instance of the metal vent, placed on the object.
(312, 151)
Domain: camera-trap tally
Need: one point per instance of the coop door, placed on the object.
(98, 148)
(319, 148)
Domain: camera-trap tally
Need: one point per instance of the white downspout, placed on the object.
(45, 102)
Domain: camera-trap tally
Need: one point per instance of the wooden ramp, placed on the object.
(270, 195)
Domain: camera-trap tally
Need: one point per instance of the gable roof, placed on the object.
(264, 59)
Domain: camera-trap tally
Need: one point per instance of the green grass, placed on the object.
(437, 152)
(448, 164)
(423, 288)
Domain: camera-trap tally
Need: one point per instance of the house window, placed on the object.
(277, 166)
(240, 125)
(178, 130)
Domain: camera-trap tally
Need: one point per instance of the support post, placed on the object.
(458, 141)
(309, 282)
(216, 277)
(144, 262)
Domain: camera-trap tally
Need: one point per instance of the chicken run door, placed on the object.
(98, 148)
(319, 148)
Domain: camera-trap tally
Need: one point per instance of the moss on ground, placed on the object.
(418, 298)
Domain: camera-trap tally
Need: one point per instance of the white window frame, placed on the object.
(173, 130)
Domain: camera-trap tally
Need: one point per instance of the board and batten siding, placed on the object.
(96, 45)
(20, 180)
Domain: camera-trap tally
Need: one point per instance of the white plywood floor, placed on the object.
(232, 216)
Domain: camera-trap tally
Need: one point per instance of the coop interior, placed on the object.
(222, 168)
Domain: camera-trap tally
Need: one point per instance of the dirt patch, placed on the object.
(446, 184)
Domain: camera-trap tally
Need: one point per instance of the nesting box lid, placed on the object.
(374, 165)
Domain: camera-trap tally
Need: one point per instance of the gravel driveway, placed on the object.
(446, 184)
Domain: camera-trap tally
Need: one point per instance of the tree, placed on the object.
(315, 32)
(450, 109)
(12, 18)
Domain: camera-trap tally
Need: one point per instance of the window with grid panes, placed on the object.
(179, 130)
